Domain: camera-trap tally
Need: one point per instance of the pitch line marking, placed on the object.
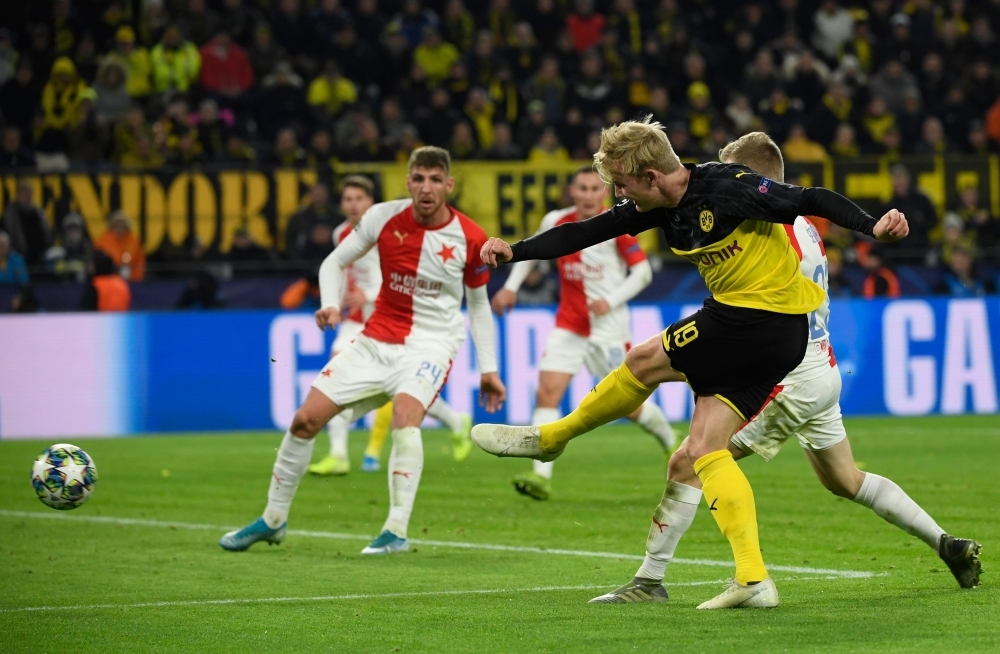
(139, 522)
(330, 598)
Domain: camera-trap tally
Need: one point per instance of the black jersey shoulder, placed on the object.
(719, 198)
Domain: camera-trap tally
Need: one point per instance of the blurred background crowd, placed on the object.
(149, 84)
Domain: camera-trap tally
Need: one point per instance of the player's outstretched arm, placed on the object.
(557, 242)
(492, 392)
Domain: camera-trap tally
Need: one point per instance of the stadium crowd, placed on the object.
(148, 84)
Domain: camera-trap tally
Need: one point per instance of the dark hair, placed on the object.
(430, 156)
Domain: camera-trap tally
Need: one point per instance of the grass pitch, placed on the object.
(132, 582)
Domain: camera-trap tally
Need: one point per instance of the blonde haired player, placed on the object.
(753, 331)
(429, 261)
(362, 283)
(806, 405)
(592, 328)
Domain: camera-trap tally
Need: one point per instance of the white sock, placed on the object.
(293, 459)
(542, 416)
(892, 504)
(449, 417)
(338, 427)
(651, 419)
(406, 461)
(672, 518)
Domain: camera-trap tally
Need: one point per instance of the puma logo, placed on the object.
(401, 474)
(659, 524)
(400, 236)
(741, 174)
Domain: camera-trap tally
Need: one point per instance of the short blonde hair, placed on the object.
(632, 147)
(758, 152)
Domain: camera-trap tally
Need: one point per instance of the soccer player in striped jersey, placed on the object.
(592, 328)
(363, 281)
(429, 258)
(806, 404)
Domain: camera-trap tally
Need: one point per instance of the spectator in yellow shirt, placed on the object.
(800, 149)
(60, 106)
(548, 149)
(330, 93)
(434, 56)
(139, 68)
(176, 62)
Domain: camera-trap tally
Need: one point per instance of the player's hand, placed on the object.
(891, 227)
(503, 301)
(496, 251)
(355, 299)
(492, 392)
(598, 307)
(328, 317)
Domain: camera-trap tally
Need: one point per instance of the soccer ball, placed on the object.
(63, 476)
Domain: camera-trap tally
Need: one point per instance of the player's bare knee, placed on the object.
(305, 425)
(679, 463)
(547, 397)
(406, 412)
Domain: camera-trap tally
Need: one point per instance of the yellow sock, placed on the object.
(614, 397)
(380, 431)
(730, 500)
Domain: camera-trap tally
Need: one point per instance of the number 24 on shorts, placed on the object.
(430, 371)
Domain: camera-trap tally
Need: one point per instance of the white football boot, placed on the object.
(508, 440)
(737, 596)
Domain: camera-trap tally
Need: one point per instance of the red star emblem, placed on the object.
(447, 253)
(326, 373)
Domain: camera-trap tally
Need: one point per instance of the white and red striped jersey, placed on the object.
(812, 257)
(365, 274)
(592, 274)
(424, 272)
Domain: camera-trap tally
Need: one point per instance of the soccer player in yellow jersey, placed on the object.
(726, 219)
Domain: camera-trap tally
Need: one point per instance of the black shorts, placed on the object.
(738, 355)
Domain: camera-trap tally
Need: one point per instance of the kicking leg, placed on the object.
(292, 460)
(616, 396)
(839, 474)
(406, 462)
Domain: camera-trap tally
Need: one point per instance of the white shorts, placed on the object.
(810, 410)
(568, 352)
(347, 331)
(369, 373)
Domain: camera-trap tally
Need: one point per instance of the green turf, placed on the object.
(606, 487)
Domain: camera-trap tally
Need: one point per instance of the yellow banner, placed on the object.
(507, 198)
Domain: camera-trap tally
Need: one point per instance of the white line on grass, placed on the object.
(139, 522)
(331, 598)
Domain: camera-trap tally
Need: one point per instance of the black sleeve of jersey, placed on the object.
(575, 236)
(764, 199)
(837, 209)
